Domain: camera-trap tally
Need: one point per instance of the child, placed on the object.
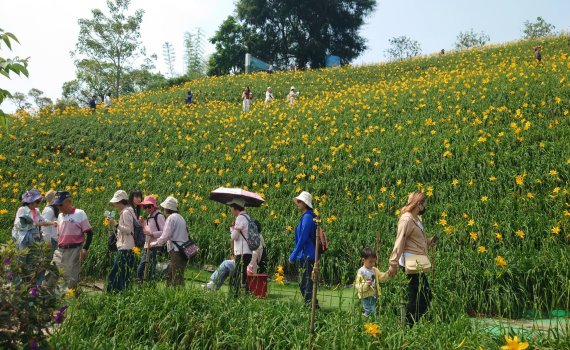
(221, 273)
(367, 281)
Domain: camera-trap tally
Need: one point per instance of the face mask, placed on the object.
(423, 210)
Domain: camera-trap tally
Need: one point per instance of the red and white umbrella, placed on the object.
(225, 195)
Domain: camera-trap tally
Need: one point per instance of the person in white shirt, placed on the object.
(268, 96)
(50, 213)
(124, 263)
(239, 231)
(107, 101)
(174, 231)
(292, 95)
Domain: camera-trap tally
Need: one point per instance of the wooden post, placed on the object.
(314, 276)
(378, 251)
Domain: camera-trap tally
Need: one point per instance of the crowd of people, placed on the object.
(66, 229)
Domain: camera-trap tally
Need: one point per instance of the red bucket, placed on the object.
(257, 284)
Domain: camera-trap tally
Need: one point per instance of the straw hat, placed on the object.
(50, 196)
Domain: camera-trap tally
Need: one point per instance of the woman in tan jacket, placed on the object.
(412, 244)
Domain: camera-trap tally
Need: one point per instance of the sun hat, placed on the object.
(170, 203)
(149, 200)
(237, 201)
(61, 196)
(292, 88)
(119, 196)
(50, 196)
(31, 196)
(306, 198)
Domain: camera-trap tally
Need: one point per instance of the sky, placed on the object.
(48, 30)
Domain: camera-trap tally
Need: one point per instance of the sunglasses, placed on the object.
(148, 206)
(38, 201)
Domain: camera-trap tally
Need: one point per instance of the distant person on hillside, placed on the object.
(537, 55)
(411, 249)
(268, 96)
(107, 101)
(246, 97)
(93, 102)
(442, 52)
(292, 96)
(189, 98)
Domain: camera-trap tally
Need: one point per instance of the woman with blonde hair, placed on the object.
(411, 254)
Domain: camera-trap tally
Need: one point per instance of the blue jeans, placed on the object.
(120, 275)
(369, 305)
(151, 260)
(222, 272)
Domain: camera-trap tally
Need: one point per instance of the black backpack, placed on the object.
(138, 234)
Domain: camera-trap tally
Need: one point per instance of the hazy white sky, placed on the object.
(48, 30)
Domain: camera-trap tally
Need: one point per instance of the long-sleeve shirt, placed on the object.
(410, 239)
(154, 224)
(174, 231)
(126, 229)
(257, 255)
(304, 242)
(238, 233)
(374, 275)
(25, 220)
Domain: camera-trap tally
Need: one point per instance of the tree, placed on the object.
(92, 78)
(169, 58)
(14, 65)
(470, 39)
(230, 47)
(402, 47)
(20, 100)
(194, 54)
(537, 29)
(39, 99)
(289, 31)
(113, 40)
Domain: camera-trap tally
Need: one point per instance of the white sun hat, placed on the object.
(170, 203)
(237, 201)
(292, 88)
(306, 198)
(119, 196)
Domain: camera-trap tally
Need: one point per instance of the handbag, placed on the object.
(417, 263)
(188, 249)
(112, 242)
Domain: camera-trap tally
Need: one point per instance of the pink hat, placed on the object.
(149, 200)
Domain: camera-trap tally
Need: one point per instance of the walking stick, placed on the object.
(314, 276)
(378, 249)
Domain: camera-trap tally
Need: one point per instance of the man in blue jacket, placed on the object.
(304, 252)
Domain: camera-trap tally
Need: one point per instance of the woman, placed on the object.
(411, 240)
(304, 252)
(174, 233)
(50, 213)
(123, 265)
(28, 220)
(239, 232)
(246, 97)
(292, 96)
(135, 199)
(153, 230)
(268, 96)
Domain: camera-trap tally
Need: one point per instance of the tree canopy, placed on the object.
(289, 31)
(14, 65)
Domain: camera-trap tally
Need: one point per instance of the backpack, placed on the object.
(155, 220)
(323, 240)
(138, 234)
(55, 210)
(253, 240)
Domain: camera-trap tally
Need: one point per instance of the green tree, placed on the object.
(39, 99)
(14, 65)
(470, 39)
(112, 40)
(537, 29)
(229, 42)
(169, 58)
(194, 54)
(92, 78)
(20, 100)
(402, 47)
(290, 31)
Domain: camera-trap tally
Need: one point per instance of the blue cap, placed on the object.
(60, 196)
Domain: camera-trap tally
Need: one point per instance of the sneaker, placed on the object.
(208, 286)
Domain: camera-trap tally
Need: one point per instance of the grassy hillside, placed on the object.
(485, 133)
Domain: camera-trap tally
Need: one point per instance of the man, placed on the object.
(72, 245)
(93, 102)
